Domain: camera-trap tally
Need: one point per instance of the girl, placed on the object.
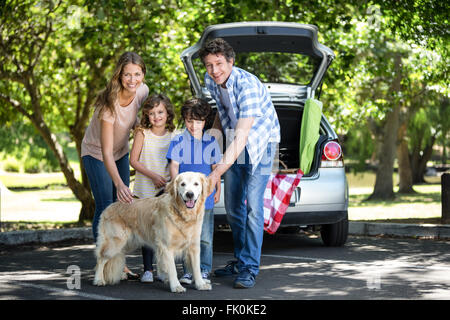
(104, 149)
(148, 156)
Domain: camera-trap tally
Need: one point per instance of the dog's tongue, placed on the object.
(190, 203)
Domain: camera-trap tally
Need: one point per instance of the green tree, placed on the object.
(57, 55)
(390, 78)
(428, 125)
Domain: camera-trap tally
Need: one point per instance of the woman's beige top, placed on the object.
(123, 121)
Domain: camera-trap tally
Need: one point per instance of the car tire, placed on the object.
(335, 234)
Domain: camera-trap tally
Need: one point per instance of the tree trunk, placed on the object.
(419, 175)
(80, 191)
(404, 164)
(384, 185)
(415, 164)
(87, 202)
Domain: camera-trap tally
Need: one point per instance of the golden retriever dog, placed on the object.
(170, 224)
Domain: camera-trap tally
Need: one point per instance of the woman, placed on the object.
(105, 148)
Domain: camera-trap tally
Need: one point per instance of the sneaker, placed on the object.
(205, 276)
(187, 278)
(245, 280)
(147, 276)
(129, 276)
(161, 277)
(230, 269)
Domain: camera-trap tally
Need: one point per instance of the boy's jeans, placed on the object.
(206, 242)
(244, 197)
(102, 186)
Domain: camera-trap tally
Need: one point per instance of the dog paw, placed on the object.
(178, 289)
(203, 286)
(99, 283)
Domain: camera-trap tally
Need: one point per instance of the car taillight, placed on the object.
(332, 155)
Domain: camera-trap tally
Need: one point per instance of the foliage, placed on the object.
(359, 145)
(57, 55)
(20, 141)
(423, 21)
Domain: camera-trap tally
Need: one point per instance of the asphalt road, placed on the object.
(294, 267)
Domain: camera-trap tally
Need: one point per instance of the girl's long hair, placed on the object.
(107, 97)
(152, 102)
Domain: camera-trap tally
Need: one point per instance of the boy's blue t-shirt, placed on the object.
(195, 155)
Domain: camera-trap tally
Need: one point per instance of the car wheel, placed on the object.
(335, 235)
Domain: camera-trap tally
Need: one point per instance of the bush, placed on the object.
(31, 165)
(34, 165)
(11, 166)
(21, 142)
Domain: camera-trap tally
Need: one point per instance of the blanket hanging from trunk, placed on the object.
(277, 196)
(309, 133)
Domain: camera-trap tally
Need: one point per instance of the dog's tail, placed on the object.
(113, 269)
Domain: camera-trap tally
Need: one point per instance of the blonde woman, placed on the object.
(105, 148)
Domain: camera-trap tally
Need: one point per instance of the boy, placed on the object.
(196, 151)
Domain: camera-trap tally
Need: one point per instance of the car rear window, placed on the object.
(275, 67)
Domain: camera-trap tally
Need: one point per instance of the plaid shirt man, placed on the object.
(248, 98)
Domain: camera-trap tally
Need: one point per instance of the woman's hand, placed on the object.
(124, 194)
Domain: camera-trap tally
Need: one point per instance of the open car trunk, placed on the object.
(290, 118)
(265, 37)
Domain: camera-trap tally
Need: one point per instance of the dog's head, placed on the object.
(190, 190)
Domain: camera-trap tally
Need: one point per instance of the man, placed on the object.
(248, 117)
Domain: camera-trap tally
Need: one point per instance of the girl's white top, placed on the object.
(153, 157)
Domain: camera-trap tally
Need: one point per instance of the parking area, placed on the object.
(294, 267)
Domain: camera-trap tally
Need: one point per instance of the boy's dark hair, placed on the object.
(217, 46)
(196, 109)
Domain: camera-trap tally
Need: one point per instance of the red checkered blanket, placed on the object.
(277, 197)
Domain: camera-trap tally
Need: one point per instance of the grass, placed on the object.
(40, 225)
(424, 206)
(43, 201)
(24, 181)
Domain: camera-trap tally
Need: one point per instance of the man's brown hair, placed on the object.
(217, 46)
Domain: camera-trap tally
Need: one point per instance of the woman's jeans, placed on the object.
(244, 197)
(206, 242)
(102, 185)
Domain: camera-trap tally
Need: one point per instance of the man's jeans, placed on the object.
(102, 185)
(244, 197)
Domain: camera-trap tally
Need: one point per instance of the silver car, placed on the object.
(290, 61)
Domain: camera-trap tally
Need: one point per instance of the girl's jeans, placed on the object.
(244, 197)
(102, 186)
